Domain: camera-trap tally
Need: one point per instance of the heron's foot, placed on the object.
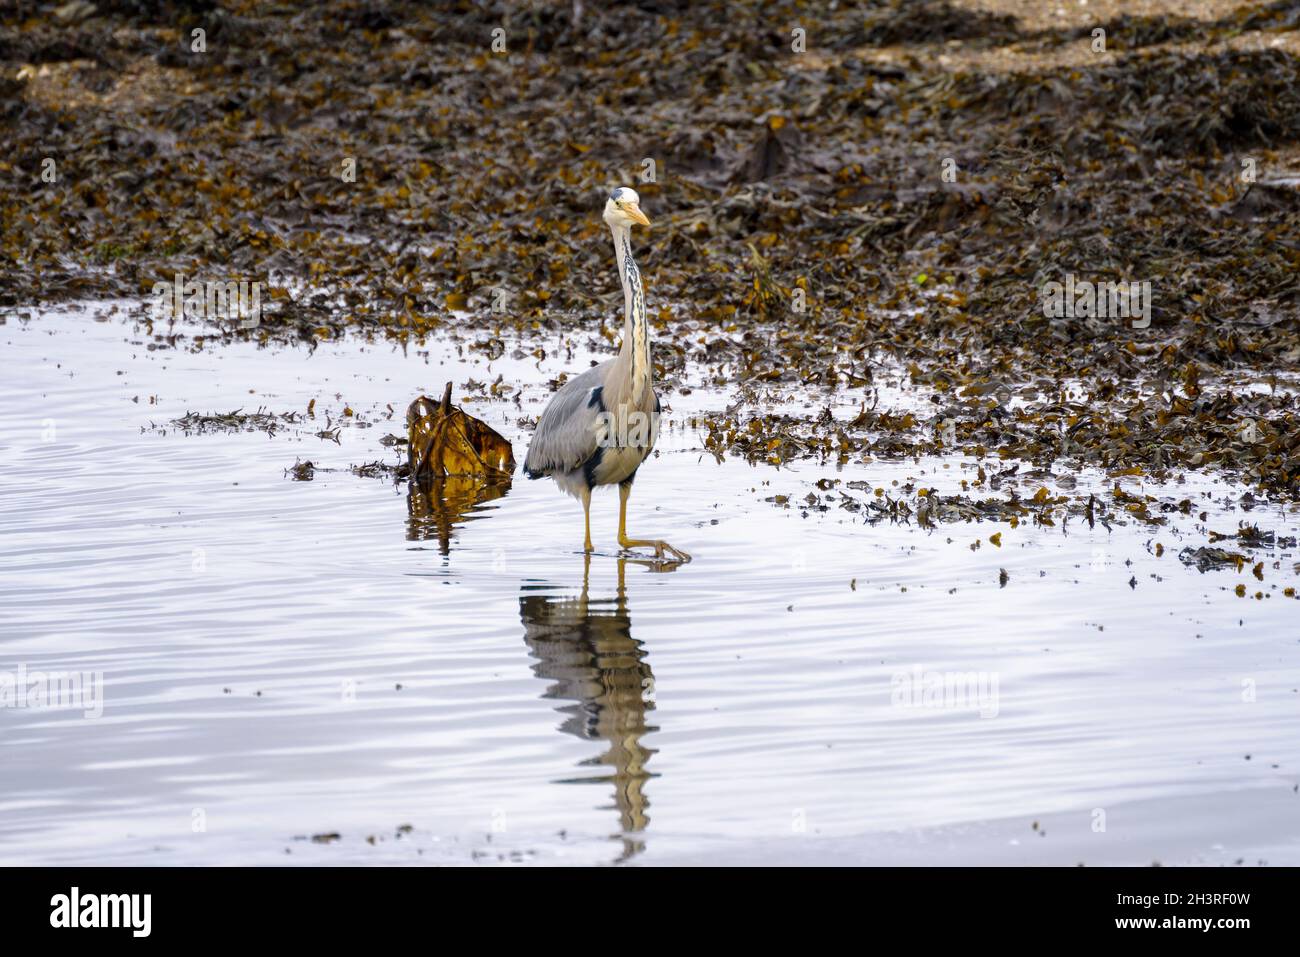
(660, 547)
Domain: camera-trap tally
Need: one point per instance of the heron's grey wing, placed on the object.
(569, 429)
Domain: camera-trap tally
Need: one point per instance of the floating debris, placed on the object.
(236, 421)
(445, 440)
(1207, 557)
(1251, 536)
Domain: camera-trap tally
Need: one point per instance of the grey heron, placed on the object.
(602, 424)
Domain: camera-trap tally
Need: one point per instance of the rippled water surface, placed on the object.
(286, 659)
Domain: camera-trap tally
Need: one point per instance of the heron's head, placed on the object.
(623, 208)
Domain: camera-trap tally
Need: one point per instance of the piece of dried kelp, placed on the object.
(445, 440)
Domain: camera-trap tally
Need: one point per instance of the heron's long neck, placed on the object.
(635, 352)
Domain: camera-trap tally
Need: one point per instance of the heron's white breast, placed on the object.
(617, 463)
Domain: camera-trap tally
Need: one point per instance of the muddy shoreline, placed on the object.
(914, 178)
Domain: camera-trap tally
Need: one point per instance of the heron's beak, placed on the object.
(633, 210)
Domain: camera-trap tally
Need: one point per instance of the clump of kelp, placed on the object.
(456, 464)
(1042, 507)
(1128, 431)
(444, 440)
(985, 500)
(259, 420)
(897, 195)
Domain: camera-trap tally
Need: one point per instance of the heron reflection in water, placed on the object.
(585, 648)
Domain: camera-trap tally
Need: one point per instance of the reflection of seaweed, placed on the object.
(586, 650)
(435, 506)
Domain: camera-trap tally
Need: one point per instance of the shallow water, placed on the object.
(286, 659)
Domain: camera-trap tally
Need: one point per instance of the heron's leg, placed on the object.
(586, 514)
(624, 490)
